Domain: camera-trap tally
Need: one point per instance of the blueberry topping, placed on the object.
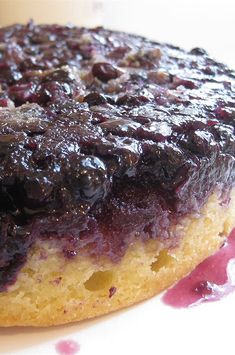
(105, 71)
(104, 137)
(95, 98)
(198, 51)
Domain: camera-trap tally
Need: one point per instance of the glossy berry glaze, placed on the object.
(213, 279)
(106, 137)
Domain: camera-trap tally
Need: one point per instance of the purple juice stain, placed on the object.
(67, 347)
(213, 279)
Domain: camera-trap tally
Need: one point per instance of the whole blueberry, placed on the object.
(105, 71)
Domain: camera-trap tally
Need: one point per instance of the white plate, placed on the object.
(149, 328)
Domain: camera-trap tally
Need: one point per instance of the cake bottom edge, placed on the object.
(51, 290)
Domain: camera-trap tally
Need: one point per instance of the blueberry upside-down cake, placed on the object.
(117, 169)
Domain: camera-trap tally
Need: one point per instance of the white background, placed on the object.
(188, 23)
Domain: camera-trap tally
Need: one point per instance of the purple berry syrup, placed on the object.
(67, 347)
(213, 279)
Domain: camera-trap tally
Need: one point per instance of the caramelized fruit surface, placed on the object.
(105, 136)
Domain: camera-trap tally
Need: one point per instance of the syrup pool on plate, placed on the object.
(213, 279)
(67, 347)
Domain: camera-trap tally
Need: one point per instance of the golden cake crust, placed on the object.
(52, 290)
